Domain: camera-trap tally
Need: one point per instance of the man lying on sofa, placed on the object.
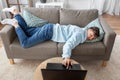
(70, 34)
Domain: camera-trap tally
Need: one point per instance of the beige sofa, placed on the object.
(87, 51)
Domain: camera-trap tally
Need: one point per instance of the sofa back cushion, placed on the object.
(49, 14)
(33, 21)
(77, 17)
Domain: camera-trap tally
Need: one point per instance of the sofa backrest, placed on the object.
(65, 16)
(77, 17)
(49, 14)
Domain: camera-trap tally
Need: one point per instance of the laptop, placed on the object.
(56, 71)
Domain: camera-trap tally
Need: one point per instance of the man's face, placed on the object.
(90, 34)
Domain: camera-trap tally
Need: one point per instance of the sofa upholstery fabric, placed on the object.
(49, 14)
(77, 17)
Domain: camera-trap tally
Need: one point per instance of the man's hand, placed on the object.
(67, 62)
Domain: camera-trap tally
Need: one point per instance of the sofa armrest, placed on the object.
(7, 35)
(109, 37)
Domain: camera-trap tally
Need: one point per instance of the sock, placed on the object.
(9, 21)
(9, 9)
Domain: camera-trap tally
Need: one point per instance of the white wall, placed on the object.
(77, 4)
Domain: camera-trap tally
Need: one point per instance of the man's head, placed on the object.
(92, 33)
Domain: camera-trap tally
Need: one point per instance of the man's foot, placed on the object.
(9, 21)
(12, 9)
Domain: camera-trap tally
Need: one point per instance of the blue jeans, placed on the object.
(30, 36)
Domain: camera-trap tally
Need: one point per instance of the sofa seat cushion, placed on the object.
(86, 49)
(45, 50)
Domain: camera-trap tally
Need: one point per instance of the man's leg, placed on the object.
(28, 30)
(21, 21)
(38, 35)
(43, 34)
(14, 10)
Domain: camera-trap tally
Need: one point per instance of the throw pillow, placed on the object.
(33, 21)
(96, 23)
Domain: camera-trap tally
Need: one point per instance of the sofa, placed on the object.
(87, 51)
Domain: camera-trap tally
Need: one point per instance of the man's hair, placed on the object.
(96, 31)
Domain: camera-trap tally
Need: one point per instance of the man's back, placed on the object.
(61, 33)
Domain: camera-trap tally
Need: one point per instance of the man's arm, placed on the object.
(70, 44)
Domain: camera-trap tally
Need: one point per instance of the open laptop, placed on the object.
(56, 71)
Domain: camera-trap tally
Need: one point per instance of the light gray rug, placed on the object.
(24, 69)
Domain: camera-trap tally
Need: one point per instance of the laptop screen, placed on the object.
(63, 74)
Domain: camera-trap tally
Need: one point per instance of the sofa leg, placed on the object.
(104, 63)
(11, 61)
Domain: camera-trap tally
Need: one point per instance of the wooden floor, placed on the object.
(113, 21)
